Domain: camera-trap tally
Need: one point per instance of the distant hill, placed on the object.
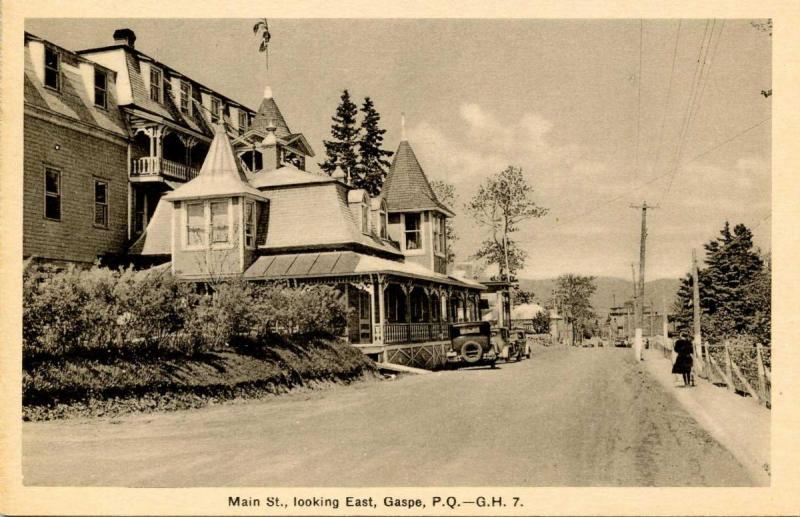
(610, 291)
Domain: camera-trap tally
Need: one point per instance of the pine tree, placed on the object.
(373, 165)
(341, 150)
(726, 286)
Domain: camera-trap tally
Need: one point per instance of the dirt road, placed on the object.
(568, 417)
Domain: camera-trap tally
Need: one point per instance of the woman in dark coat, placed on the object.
(685, 359)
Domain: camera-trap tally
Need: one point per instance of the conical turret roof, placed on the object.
(220, 175)
(406, 188)
(269, 114)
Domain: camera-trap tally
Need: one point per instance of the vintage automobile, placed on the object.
(471, 344)
(622, 342)
(511, 344)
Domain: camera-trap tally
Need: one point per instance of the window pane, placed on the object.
(51, 181)
(195, 224)
(219, 222)
(99, 79)
(52, 207)
(155, 84)
(50, 58)
(412, 222)
(100, 192)
(100, 214)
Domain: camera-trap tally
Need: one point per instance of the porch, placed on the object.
(161, 152)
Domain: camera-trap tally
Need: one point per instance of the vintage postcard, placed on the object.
(383, 260)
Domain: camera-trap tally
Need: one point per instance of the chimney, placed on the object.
(125, 37)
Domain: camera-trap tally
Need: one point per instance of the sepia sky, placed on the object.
(563, 99)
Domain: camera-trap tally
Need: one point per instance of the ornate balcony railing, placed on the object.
(415, 332)
(155, 166)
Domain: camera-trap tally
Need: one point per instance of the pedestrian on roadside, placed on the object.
(684, 359)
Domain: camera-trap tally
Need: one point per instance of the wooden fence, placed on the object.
(744, 369)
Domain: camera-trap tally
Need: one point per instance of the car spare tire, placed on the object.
(471, 352)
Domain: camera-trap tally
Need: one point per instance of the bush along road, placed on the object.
(568, 417)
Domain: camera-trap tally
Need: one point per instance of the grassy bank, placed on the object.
(92, 387)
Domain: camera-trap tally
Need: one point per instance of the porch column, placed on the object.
(430, 313)
(406, 287)
(446, 298)
(379, 302)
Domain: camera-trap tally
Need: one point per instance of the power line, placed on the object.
(691, 98)
(693, 107)
(639, 95)
(660, 176)
(669, 98)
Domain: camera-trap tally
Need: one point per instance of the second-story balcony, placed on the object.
(154, 167)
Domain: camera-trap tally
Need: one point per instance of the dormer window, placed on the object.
(384, 221)
(52, 68)
(413, 232)
(242, 121)
(215, 110)
(364, 218)
(155, 84)
(185, 98)
(100, 88)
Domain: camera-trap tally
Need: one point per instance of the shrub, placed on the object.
(145, 315)
(310, 309)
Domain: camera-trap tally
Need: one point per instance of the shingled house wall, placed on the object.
(81, 157)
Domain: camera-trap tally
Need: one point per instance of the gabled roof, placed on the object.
(406, 188)
(220, 175)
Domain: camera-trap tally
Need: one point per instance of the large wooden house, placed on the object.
(126, 157)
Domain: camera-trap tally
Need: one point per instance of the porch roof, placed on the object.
(343, 263)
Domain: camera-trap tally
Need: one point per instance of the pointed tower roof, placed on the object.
(406, 188)
(220, 175)
(269, 114)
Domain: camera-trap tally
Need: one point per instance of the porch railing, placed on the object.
(414, 332)
(155, 166)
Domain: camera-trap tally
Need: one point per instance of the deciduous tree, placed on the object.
(501, 204)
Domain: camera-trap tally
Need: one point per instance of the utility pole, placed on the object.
(698, 344)
(637, 343)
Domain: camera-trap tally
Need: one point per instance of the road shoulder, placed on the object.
(739, 424)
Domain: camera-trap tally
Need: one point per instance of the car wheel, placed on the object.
(471, 352)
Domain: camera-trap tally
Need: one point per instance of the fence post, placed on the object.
(728, 372)
(762, 385)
